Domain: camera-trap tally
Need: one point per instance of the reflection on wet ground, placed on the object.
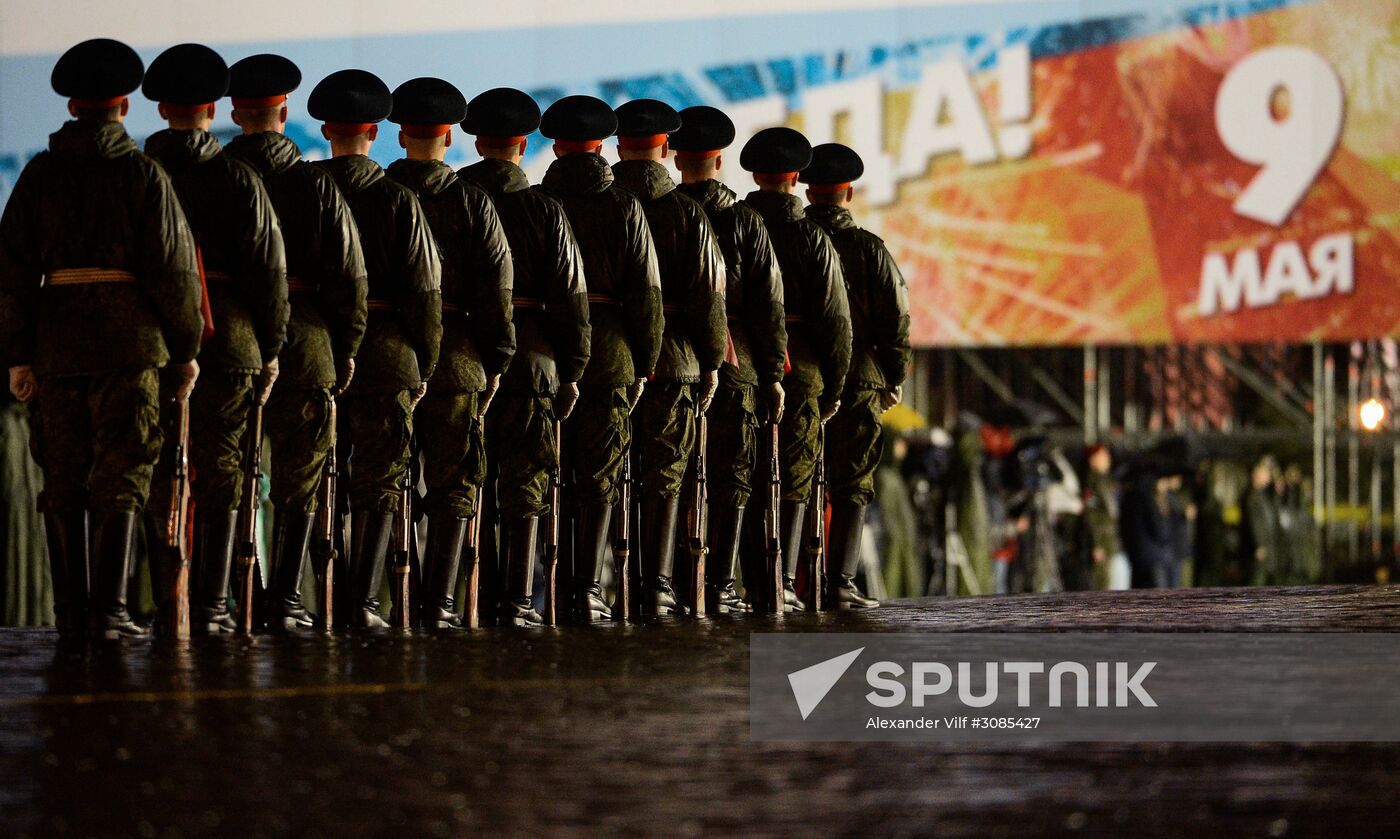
(633, 729)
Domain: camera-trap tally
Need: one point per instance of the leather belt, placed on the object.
(380, 304)
(218, 276)
(672, 308)
(527, 303)
(89, 276)
(455, 309)
(298, 284)
(793, 319)
(603, 300)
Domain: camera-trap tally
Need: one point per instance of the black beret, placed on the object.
(832, 163)
(186, 74)
(775, 150)
(428, 101)
(261, 76)
(646, 117)
(578, 118)
(502, 112)
(97, 69)
(350, 96)
(703, 129)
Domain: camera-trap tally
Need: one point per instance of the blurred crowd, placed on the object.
(977, 509)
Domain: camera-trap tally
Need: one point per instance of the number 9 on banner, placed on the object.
(1291, 149)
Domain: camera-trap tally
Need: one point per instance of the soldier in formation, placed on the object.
(457, 318)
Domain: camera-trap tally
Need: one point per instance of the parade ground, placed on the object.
(628, 730)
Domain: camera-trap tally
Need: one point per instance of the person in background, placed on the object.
(1208, 551)
(1101, 513)
(1182, 515)
(1145, 528)
(1259, 525)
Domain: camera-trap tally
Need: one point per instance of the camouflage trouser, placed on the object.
(218, 437)
(851, 464)
(520, 436)
(797, 446)
(453, 444)
(298, 424)
(733, 445)
(375, 433)
(666, 436)
(96, 438)
(596, 437)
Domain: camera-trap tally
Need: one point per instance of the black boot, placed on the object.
(67, 538)
(794, 519)
(843, 556)
(520, 569)
(659, 517)
(726, 524)
(446, 536)
(589, 549)
(209, 603)
(369, 539)
(293, 536)
(113, 538)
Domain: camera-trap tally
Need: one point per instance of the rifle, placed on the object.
(551, 537)
(622, 541)
(696, 525)
(248, 524)
(401, 553)
(177, 528)
(471, 562)
(324, 551)
(816, 535)
(773, 529)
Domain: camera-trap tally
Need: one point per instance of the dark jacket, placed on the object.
(753, 293)
(814, 296)
(325, 268)
(401, 344)
(878, 298)
(478, 338)
(692, 272)
(619, 262)
(553, 343)
(1146, 531)
(94, 201)
(240, 244)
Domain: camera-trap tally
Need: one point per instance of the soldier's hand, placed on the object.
(267, 379)
(493, 384)
(777, 401)
(23, 384)
(185, 376)
(344, 373)
(829, 410)
(565, 400)
(709, 383)
(634, 394)
(891, 396)
(416, 395)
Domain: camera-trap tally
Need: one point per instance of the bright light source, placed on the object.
(1372, 414)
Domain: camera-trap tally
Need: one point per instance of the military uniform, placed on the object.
(401, 344)
(624, 290)
(818, 321)
(693, 342)
(326, 285)
(879, 306)
(758, 340)
(478, 337)
(552, 334)
(98, 288)
(245, 267)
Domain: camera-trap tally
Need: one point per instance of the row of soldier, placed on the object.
(368, 318)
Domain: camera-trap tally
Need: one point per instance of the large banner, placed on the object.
(1059, 172)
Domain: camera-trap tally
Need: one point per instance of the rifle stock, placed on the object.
(471, 561)
(400, 587)
(551, 538)
(816, 536)
(698, 548)
(178, 529)
(772, 528)
(325, 552)
(248, 523)
(622, 542)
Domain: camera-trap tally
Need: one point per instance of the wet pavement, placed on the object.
(631, 730)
